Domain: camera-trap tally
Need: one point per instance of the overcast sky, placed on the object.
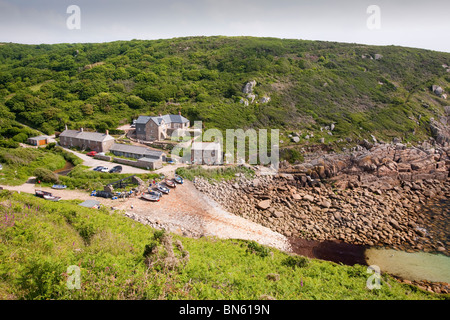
(410, 23)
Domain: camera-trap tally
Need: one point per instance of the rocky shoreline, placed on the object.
(393, 218)
(377, 195)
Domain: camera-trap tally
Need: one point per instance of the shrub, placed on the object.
(227, 173)
(291, 155)
(46, 175)
(51, 146)
(20, 137)
(296, 262)
(257, 249)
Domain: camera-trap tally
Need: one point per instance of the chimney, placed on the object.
(81, 129)
(66, 127)
(179, 112)
(160, 115)
(107, 132)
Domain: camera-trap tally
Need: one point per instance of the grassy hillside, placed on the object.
(311, 85)
(122, 259)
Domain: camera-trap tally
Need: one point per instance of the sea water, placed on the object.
(412, 266)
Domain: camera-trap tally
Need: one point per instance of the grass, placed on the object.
(19, 164)
(84, 178)
(222, 173)
(40, 240)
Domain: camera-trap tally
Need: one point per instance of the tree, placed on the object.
(88, 109)
(134, 102)
(152, 94)
(20, 137)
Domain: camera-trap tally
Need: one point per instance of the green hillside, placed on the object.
(122, 259)
(311, 84)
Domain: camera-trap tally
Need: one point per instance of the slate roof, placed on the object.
(142, 119)
(136, 150)
(83, 135)
(175, 118)
(158, 120)
(38, 138)
(147, 160)
(90, 203)
(168, 118)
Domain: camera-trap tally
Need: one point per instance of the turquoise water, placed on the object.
(412, 266)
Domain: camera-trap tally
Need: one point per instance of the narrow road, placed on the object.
(91, 162)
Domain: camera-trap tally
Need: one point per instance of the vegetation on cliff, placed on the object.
(385, 91)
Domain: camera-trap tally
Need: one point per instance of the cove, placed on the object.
(412, 266)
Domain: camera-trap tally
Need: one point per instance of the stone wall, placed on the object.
(100, 157)
(140, 164)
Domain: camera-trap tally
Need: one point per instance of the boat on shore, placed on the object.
(150, 197)
(162, 189)
(178, 179)
(42, 194)
(52, 198)
(59, 186)
(170, 183)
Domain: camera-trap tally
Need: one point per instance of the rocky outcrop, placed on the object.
(437, 90)
(381, 166)
(265, 100)
(248, 88)
(244, 102)
(441, 129)
(394, 217)
(378, 56)
(374, 196)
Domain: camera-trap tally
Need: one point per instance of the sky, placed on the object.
(408, 23)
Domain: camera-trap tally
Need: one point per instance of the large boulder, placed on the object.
(265, 100)
(447, 110)
(264, 205)
(244, 102)
(248, 88)
(437, 90)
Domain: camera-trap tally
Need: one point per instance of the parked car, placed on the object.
(116, 169)
(104, 169)
(92, 153)
(98, 168)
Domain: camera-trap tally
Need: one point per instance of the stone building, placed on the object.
(209, 153)
(38, 141)
(159, 128)
(94, 141)
(145, 157)
(136, 152)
